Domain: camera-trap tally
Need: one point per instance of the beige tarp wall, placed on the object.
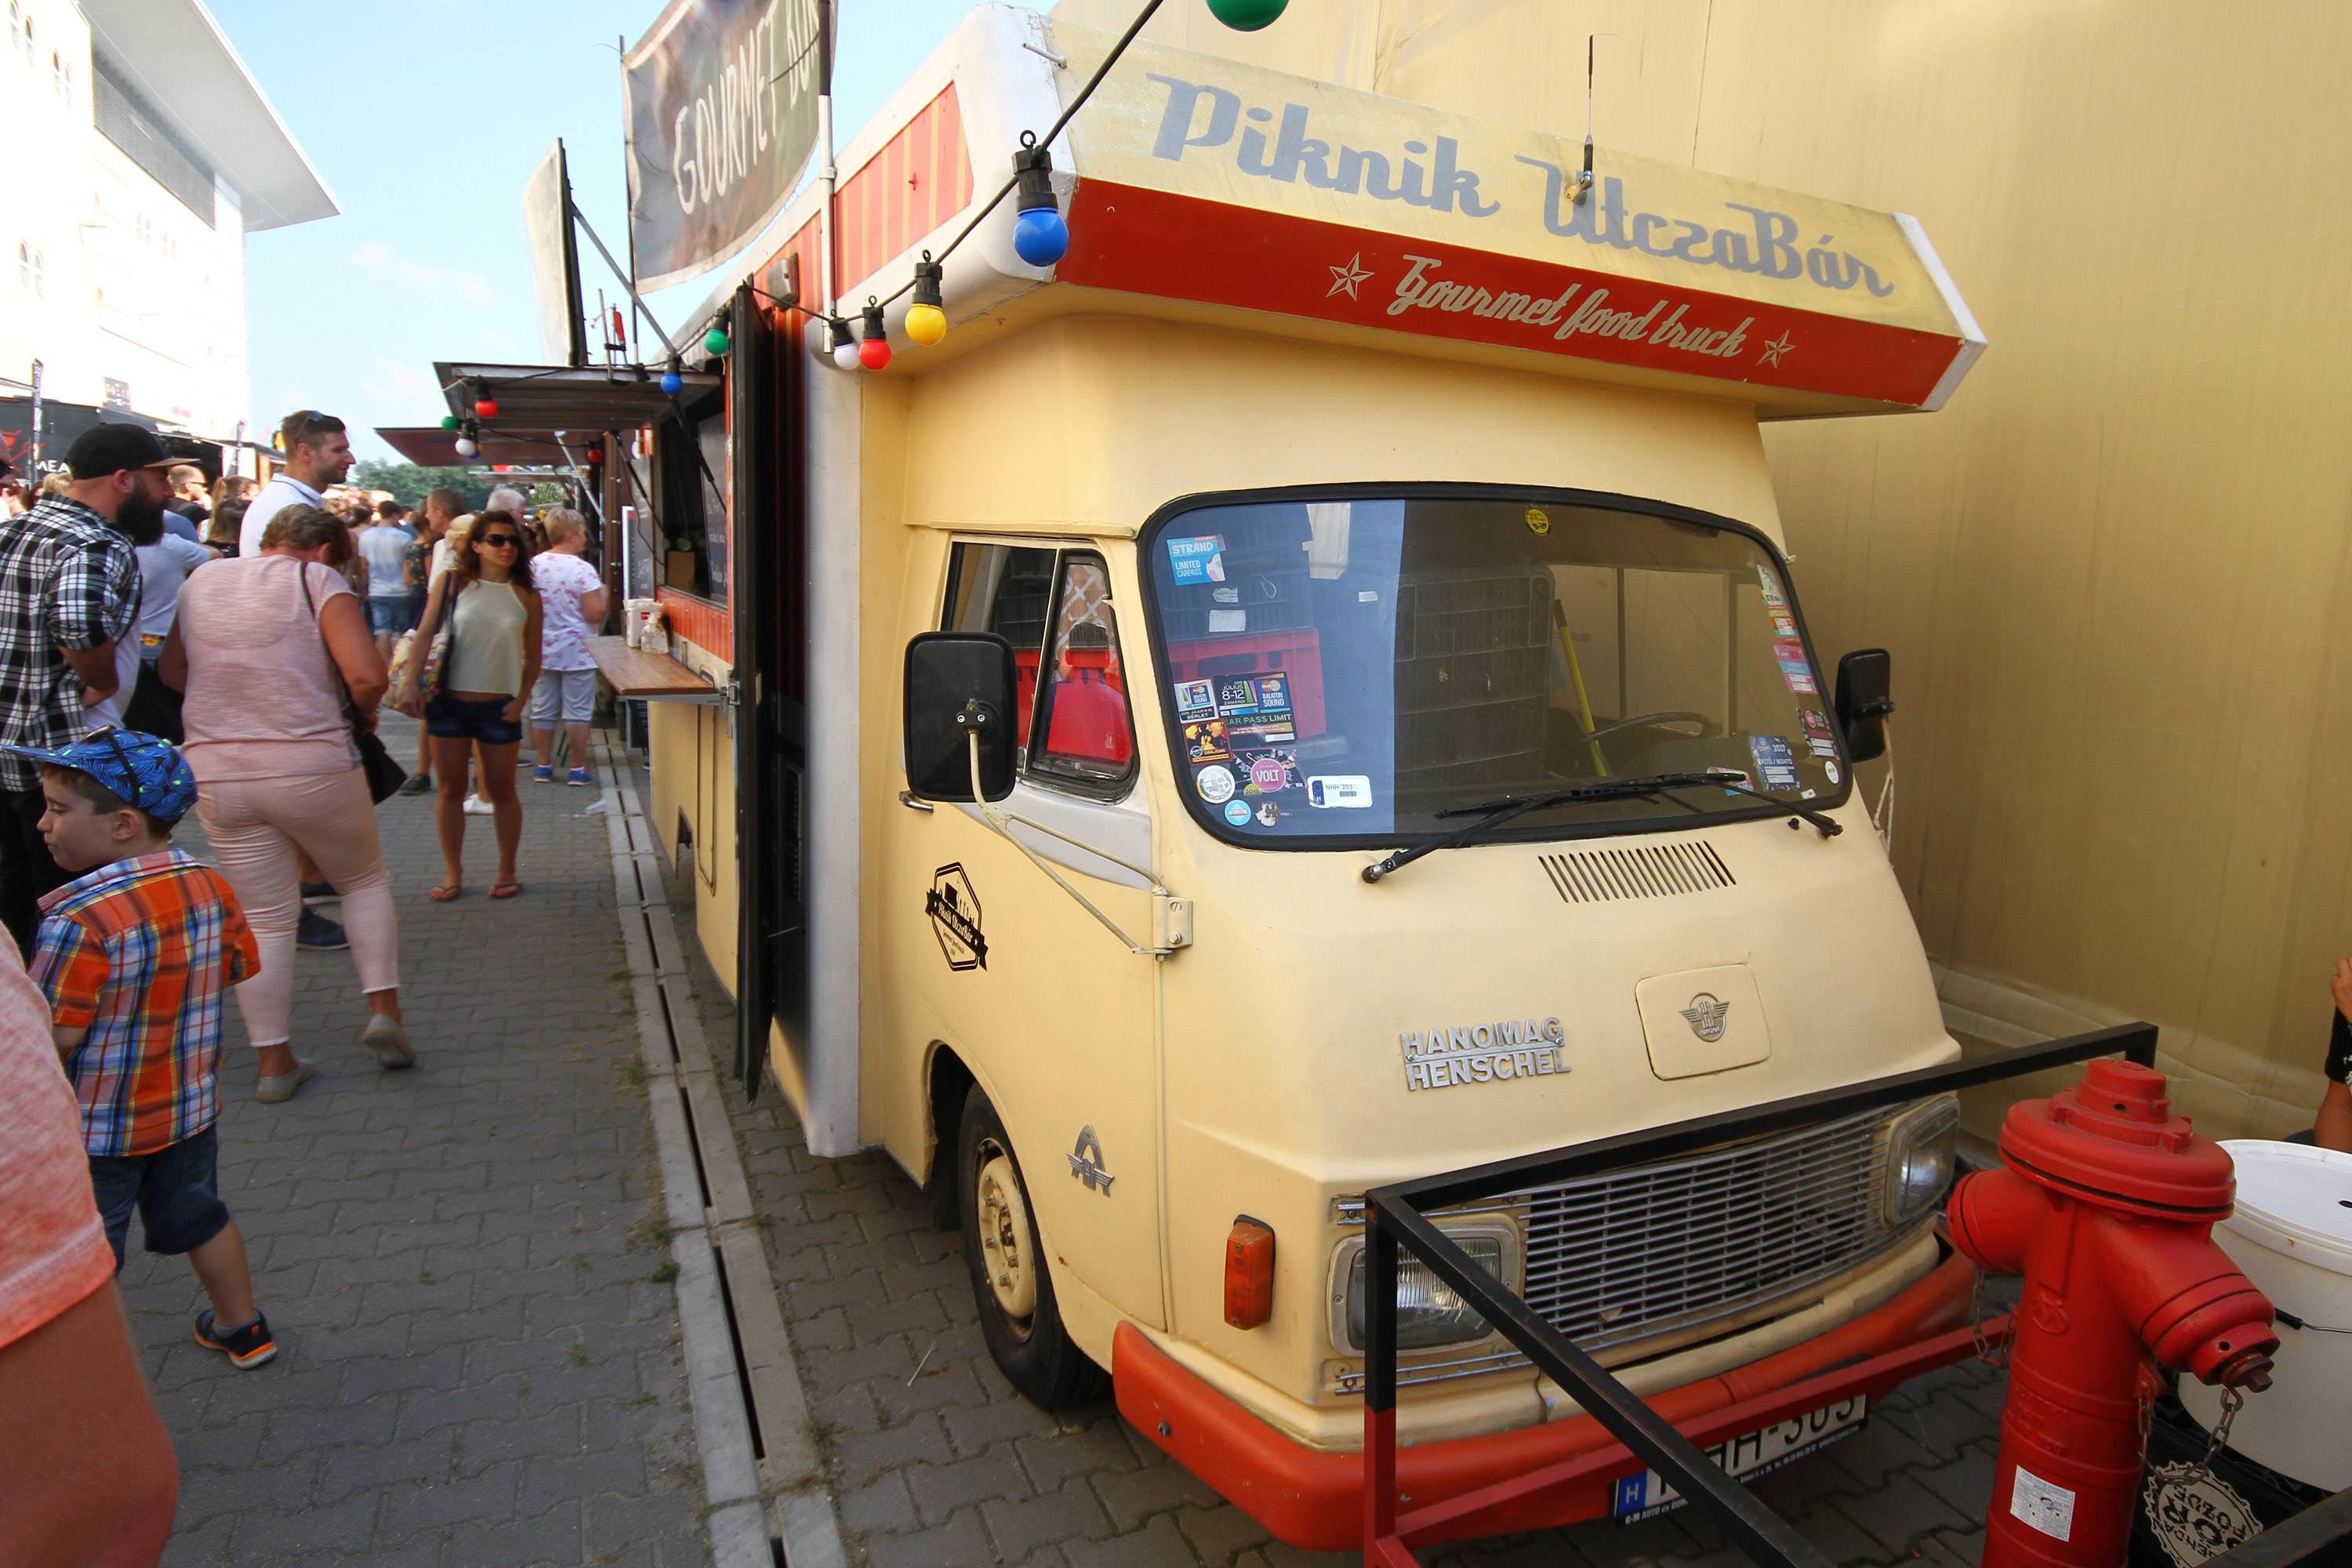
(2113, 571)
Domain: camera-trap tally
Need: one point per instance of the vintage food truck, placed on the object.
(1357, 559)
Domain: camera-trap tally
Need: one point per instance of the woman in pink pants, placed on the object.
(257, 647)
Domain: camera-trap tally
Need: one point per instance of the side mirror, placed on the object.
(1864, 676)
(959, 684)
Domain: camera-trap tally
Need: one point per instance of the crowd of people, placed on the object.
(169, 646)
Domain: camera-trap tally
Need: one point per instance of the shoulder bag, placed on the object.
(384, 776)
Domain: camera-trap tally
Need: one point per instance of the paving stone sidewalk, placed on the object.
(478, 1357)
(936, 1460)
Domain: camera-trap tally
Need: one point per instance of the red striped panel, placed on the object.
(918, 182)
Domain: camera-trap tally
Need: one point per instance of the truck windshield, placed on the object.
(1349, 670)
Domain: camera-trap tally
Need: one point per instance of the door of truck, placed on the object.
(767, 570)
(986, 957)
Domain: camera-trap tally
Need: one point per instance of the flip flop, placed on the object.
(444, 892)
(511, 889)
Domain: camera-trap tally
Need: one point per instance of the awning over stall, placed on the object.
(583, 400)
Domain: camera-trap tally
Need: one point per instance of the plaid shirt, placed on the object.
(68, 579)
(138, 952)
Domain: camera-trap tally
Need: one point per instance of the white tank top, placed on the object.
(486, 640)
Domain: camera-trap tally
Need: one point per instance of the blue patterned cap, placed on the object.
(146, 770)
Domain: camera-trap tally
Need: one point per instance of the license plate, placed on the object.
(1647, 1495)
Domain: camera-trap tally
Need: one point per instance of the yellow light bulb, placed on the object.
(927, 323)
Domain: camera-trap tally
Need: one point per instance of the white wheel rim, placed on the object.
(1004, 1239)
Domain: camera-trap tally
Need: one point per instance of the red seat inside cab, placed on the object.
(1089, 714)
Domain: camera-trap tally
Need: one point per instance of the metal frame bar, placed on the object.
(1397, 1217)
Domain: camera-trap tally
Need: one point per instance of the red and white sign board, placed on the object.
(1203, 179)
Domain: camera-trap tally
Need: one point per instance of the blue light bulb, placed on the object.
(1040, 237)
(672, 383)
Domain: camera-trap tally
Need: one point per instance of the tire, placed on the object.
(1012, 1287)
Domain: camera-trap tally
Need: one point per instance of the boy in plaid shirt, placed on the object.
(133, 955)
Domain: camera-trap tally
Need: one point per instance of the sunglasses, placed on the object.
(498, 541)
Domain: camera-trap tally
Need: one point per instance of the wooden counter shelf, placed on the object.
(642, 675)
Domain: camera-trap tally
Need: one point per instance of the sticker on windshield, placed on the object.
(1204, 741)
(1197, 560)
(1539, 521)
(1774, 761)
(1795, 668)
(1832, 769)
(1236, 694)
(1772, 585)
(1224, 622)
(1817, 736)
(1215, 784)
(1267, 716)
(1268, 814)
(1195, 699)
(1340, 789)
(1267, 775)
(1238, 813)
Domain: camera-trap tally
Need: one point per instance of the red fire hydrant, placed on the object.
(2106, 1207)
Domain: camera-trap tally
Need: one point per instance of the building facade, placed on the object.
(144, 155)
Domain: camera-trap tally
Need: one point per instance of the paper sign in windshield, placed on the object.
(1257, 708)
(1776, 763)
(1197, 560)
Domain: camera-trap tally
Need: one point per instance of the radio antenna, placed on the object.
(1584, 180)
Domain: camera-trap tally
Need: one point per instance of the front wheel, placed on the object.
(1011, 1285)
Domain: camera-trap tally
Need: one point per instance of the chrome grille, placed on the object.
(1677, 1246)
(1674, 1247)
(1644, 871)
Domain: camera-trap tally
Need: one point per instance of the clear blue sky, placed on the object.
(426, 117)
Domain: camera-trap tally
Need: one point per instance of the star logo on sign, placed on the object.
(1347, 277)
(1770, 352)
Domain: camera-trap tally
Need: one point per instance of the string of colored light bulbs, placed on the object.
(1041, 236)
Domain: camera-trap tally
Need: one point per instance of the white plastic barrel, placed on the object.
(2292, 1235)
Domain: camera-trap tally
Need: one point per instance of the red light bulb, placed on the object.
(873, 354)
(486, 407)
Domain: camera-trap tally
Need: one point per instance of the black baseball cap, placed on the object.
(104, 449)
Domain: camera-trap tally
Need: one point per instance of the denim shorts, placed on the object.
(392, 617)
(175, 1190)
(454, 721)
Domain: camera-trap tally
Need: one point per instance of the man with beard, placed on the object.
(317, 456)
(68, 599)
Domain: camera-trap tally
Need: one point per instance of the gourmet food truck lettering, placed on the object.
(1203, 116)
(1421, 289)
(1483, 1053)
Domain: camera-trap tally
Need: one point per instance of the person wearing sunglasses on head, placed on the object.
(491, 609)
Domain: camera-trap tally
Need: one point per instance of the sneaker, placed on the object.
(418, 783)
(280, 1089)
(582, 776)
(542, 776)
(319, 892)
(387, 1041)
(248, 1347)
(317, 933)
(477, 807)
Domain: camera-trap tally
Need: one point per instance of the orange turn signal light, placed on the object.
(1249, 1273)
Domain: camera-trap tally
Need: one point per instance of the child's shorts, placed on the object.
(175, 1190)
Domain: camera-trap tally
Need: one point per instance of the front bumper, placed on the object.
(1314, 1500)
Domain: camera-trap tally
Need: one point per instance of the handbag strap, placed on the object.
(350, 709)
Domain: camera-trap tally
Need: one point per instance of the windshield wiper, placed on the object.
(1495, 813)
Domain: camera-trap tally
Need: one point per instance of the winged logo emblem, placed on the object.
(1705, 1016)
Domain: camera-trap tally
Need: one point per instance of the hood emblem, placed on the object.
(1705, 1016)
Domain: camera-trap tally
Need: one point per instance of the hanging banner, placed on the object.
(721, 115)
(554, 258)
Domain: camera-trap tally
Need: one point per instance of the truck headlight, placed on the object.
(1428, 1313)
(1920, 1149)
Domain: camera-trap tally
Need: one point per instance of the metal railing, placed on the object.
(1397, 1217)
